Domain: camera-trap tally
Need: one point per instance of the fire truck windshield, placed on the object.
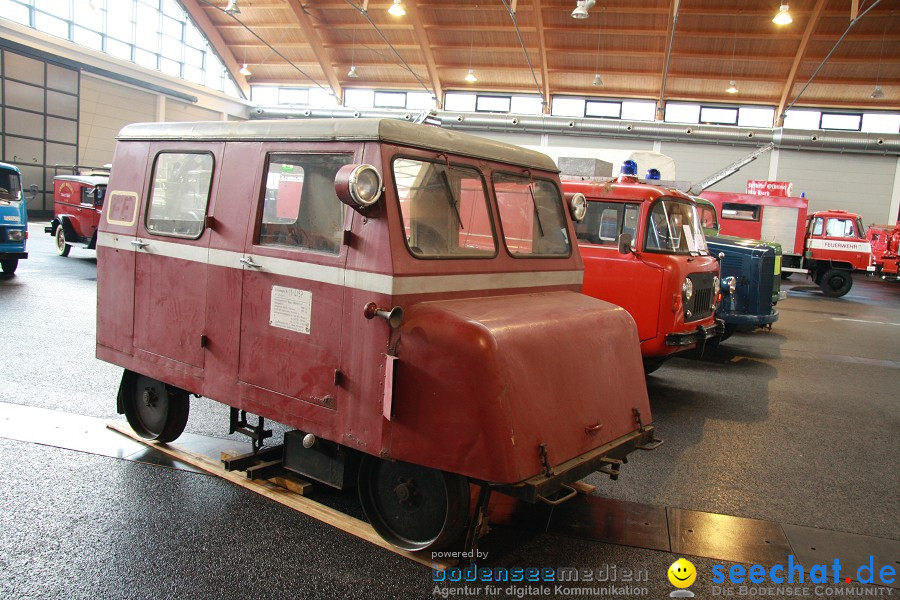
(674, 227)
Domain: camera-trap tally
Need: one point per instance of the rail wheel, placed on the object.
(154, 410)
(413, 507)
(836, 282)
(9, 265)
(62, 248)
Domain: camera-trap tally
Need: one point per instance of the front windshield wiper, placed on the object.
(451, 198)
(537, 215)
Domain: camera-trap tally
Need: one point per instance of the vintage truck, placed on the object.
(13, 219)
(77, 203)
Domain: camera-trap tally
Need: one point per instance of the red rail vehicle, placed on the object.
(430, 338)
(644, 249)
(826, 245)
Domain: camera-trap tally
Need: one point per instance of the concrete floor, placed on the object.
(797, 426)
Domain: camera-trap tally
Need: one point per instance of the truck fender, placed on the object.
(64, 222)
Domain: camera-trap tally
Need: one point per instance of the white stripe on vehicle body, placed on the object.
(349, 278)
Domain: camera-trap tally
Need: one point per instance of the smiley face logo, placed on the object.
(682, 573)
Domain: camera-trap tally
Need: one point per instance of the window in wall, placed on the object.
(567, 107)
(638, 111)
(526, 105)
(499, 104)
(718, 116)
(354, 98)
(756, 117)
(881, 123)
(802, 119)
(419, 100)
(841, 121)
(153, 34)
(459, 102)
(682, 113)
(390, 99)
(293, 96)
(603, 109)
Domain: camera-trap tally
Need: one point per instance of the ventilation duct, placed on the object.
(790, 139)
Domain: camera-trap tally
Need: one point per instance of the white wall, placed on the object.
(106, 107)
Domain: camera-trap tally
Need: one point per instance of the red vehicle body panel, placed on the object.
(646, 284)
(753, 228)
(492, 356)
(886, 248)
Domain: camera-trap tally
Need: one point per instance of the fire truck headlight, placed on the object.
(578, 206)
(729, 284)
(15, 235)
(716, 282)
(358, 185)
(687, 289)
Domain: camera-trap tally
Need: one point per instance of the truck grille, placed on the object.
(700, 304)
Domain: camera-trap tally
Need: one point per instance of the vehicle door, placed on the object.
(293, 278)
(172, 252)
(622, 279)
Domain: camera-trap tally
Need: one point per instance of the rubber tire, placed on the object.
(173, 409)
(785, 276)
(62, 248)
(836, 282)
(9, 265)
(653, 363)
(381, 508)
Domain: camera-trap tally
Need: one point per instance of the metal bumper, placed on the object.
(702, 333)
(606, 458)
(12, 255)
(744, 319)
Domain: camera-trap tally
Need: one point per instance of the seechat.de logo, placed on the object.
(682, 575)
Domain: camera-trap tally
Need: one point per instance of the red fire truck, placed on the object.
(886, 248)
(430, 337)
(644, 249)
(826, 245)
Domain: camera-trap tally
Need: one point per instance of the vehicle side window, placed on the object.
(444, 209)
(708, 217)
(180, 194)
(740, 212)
(100, 194)
(860, 229)
(531, 213)
(630, 221)
(839, 228)
(9, 185)
(87, 195)
(817, 226)
(300, 206)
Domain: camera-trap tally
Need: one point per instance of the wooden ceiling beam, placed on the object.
(215, 40)
(542, 53)
(412, 11)
(811, 25)
(312, 37)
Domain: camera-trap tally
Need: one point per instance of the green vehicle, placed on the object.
(755, 264)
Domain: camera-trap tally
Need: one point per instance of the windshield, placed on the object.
(10, 185)
(445, 210)
(674, 227)
(532, 217)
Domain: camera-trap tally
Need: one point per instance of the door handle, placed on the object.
(139, 243)
(248, 261)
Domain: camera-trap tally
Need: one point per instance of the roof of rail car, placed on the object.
(385, 130)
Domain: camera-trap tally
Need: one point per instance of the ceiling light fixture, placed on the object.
(397, 9)
(352, 72)
(232, 8)
(470, 76)
(783, 17)
(877, 93)
(582, 7)
(597, 80)
(732, 87)
(245, 71)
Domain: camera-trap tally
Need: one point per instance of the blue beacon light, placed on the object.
(629, 167)
(653, 174)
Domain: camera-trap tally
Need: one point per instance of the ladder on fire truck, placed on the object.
(730, 170)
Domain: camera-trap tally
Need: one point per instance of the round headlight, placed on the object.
(365, 185)
(716, 282)
(729, 284)
(687, 289)
(578, 206)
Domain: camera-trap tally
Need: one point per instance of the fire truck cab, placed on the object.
(644, 249)
(826, 245)
(406, 297)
